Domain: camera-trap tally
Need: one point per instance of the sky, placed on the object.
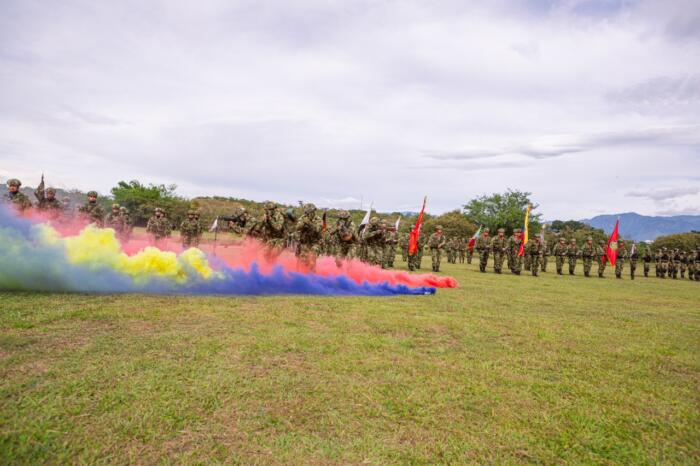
(593, 106)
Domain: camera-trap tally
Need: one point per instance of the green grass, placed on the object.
(503, 369)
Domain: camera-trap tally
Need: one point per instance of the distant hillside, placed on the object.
(643, 228)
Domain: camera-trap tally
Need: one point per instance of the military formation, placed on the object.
(309, 235)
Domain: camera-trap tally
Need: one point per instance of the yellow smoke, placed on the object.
(98, 248)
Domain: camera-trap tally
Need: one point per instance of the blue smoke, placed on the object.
(26, 263)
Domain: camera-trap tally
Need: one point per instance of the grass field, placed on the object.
(503, 369)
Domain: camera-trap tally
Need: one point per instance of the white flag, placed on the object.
(398, 220)
(365, 220)
(215, 225)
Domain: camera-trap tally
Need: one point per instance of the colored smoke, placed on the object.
(35, 255)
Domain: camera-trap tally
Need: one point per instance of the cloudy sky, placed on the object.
(592, 105)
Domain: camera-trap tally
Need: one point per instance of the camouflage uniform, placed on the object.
(588, 252)
(126, 221)
(91, 211)
(272, 230)
(534, 251)
(560, 251)
(646, 258)
(545, 255)
(516, 261)
(291, 235)
(414, 261)
(633, 256)
(403, 246)
(436, 243)
(190, 230)
(462, 247)
(470, 253)
(684, 263)
(308, 234)
(526, 256)
(620, 260)
(390, 242)
(572, 253)
(696, 264)
(498, 249)
(15, 197)
(657, 263)
(373, 236)
(663, 262)
(158, 226)
(47, 202)
(602, 258)
(344, 237)
(483, 247)
(676, 257)
(115, 221)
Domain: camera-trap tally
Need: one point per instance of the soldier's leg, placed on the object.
(469, 256)
(544, 263)
(633, 268)
(646, 269)
(517, 265)
(586, 267)
(534, 265)
(559, 262)
(572, 265)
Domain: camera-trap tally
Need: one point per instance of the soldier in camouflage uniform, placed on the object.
(436, 243)
(545, 255)
(462, 246)
(513, 251)
(308, 234)
(664, 257)
(572, 253)
(344, 237)
(290, 230)
(534, 251)
(620, 260)
(693, 259)
(588, 252)
(499, 250)
(646, 258)
(115, 221)
(373, 236)
(47, 201)
(633, 256)
(67, 206)
(15, 197)
(526, 256)
(559, 251)
(158, 226)
(414, 261)
(91, 211)
(390, 242)
(403, 246)
(657, 263)
(126, 221)
(483, 247)
(190, 230)
(676, 257)
(684, 263)
(602, 258)
(272, 231)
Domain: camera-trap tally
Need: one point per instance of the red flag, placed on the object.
(611, 250)
(325, 223)
(525, 236)
(472, 240)
(415, 232)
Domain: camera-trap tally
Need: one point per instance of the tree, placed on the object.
(141, 200)
(684, 241)
(454, 224)
(505, 210)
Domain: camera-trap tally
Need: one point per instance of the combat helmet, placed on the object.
(115, 206)
(269, 205)
(51, 191)
(343, 214)
(308, 208)
(14, 182)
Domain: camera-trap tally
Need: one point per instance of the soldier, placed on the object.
(545, 255)
(588, 252)
(499, 249)
(272, 230)
(633, 256)
(390, 242)
(560, 251)
(692, 259)
(115, 221)
(676, 258)
(190, 230)
(534, 250)
(657, 265)
(602, 258)
(572, 253)
(483, 246)
(15, 197)
(470, 253)
(91, 211)
(647, 261)
(663, 262)
(374, 240)
(436, 243)
(308, 234)
(516, 260)
(526, 256)
(290, 229)
(158, 226)
(621, 256)
(47, 201)
(684, 263)
(344, 237)
(449, 249)
(462, 245)
(67, 206)
(696, 264)
(403, 246)
(126, 221)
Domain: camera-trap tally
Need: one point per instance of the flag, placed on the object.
(415, 232)
(472, 240)
(525, 238)
(611, 249)
(39, 193)
(325, 223)
(215, 225)
(544, 225)
(365, 220)
(398, 220)
(633, 249)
